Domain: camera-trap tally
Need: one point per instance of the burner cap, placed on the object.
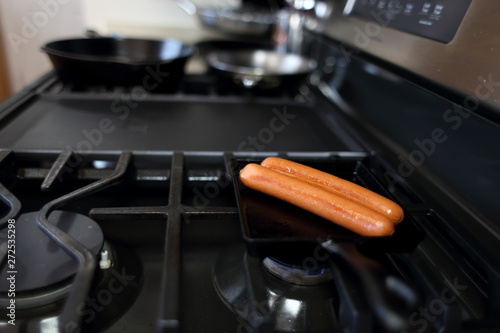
(40, 261)
(289, 308)
(297, 274)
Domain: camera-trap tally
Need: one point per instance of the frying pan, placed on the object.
(245, 21)
(205, 47)
(274, 228)
(127, 61)
(260, 69)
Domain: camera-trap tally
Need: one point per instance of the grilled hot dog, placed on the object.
(338, 186)
(317, 200)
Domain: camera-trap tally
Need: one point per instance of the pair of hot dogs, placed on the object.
(337, 200)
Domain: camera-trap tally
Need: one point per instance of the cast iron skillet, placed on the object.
(105, 60)
(273, 228)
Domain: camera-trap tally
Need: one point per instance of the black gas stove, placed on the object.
(121, 209)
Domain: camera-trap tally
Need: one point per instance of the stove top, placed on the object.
(166, 253)
(196, 118)
(119, 212)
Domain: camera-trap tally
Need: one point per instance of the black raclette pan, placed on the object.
(274, 228)
(269, 224)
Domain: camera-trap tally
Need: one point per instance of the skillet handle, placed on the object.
(379, 287)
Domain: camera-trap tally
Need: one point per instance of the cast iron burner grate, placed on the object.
(44, 262)
(191, 86)
(168, 220)
(44, 275)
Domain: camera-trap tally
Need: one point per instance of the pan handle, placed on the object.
(379, 286)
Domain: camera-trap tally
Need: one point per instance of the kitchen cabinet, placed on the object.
(4, 75)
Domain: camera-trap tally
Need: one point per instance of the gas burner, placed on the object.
(291, 307)
(44, 276)
(294, 272)
(43, 269)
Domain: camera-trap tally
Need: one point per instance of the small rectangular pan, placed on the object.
(274, 228)
(271, 226)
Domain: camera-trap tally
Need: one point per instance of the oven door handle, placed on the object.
(379, 286)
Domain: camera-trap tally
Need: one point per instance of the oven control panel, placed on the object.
(435, 19)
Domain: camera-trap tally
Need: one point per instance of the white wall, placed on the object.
(103, 15)
(27, 25)
(149, 18)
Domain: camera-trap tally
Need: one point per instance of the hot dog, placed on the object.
(338, 186)
(317, 200)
